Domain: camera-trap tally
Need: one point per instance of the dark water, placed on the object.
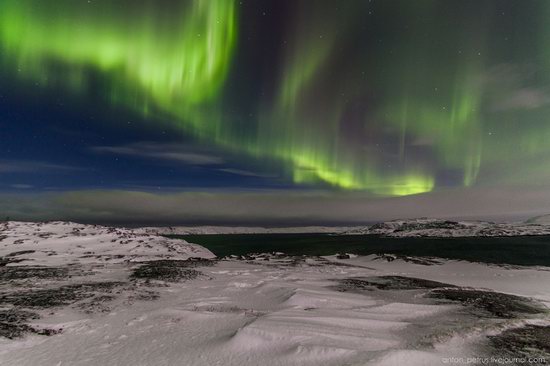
(525, 250)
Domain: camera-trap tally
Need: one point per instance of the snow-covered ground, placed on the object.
(134, 309)
(58, 243)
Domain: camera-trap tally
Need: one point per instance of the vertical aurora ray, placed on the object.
(440, 96)
(312, 110)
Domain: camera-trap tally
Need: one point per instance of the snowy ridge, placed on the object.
(213, 230)
(59, 243)
(422, 227)
(447, 228)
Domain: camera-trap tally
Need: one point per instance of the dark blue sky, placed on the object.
(58, 143)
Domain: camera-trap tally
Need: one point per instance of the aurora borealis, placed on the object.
(175, 70)
(383, 97)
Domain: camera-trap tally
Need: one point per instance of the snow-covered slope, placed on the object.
(447, 228)
(211, 230)
(58, 243)
(281, 313)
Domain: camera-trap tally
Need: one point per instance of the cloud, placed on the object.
(167, 152)
(273, 207)
(515, 87)
(28, 166)
(524, 98)
(21, 186)
(247, 173)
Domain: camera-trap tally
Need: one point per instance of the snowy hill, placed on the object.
(212, 230)
(59, 243)
(447, 228)
(397, 228)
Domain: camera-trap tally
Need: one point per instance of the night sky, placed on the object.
(274, 112)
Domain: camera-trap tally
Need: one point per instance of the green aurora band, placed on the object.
(174, 63)
(427, 93)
